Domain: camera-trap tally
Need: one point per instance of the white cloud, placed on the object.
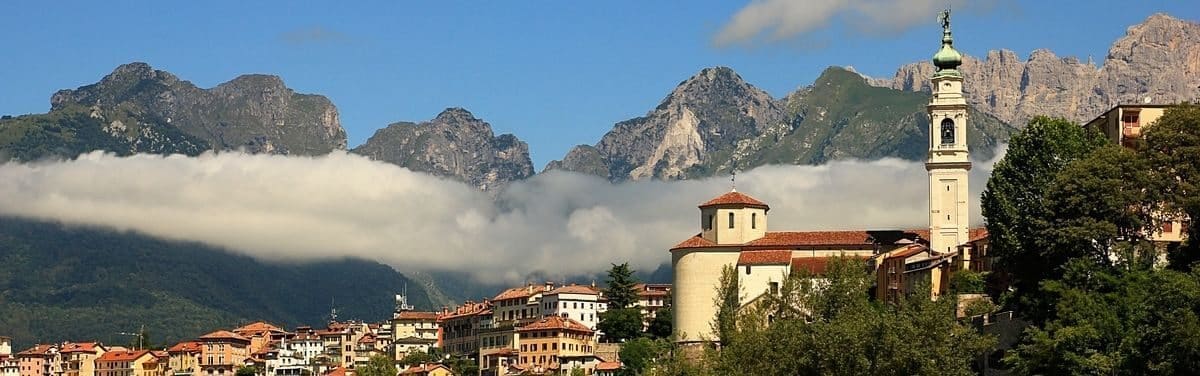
(299, 208)
(779, 20)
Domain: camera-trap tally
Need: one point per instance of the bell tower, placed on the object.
(948, 160)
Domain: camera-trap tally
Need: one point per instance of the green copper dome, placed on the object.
(947, 59)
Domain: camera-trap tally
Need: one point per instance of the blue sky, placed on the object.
(555, 73)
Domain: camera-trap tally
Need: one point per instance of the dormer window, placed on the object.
(730, 220)
(947, 131)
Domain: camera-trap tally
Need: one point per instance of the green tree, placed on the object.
(621, 288)
(832, 327)
(728, 302)
(1172, 145)
(621, 324)
(660, 326)
(246, 371)
(378, 365)
(577, 372)
(417, 357)
(462, 365)
(639, 354)
(1115, 321)
(1013, 202)
(967, 281)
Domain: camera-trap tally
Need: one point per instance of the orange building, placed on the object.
(260, 334)
(545, 342)
(128, 363)
(222, 352)
(37, 360)
(78, 358)
(183, 359)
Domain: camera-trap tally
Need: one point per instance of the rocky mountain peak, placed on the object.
(1157, 59)
(454, 115)
(454, 144)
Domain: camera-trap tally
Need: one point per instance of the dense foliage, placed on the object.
(76, 283)
(378, 365)
(623, 319)
(1013, 202)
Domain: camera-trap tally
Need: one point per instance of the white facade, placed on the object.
(9, 366)
(575, 302)
(948, 160)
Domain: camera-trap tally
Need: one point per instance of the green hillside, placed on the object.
(74, 283)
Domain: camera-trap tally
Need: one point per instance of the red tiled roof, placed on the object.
(907, 252)
(468, 309)
(812, 238)
(186, 346)
(367, 339)
(224, 334)
(517, 292)
(79, 347)
(734, 198)
(814, 265)
(977, 234)
(38, 350)
(339, 371)
(694, 242)
(414, 315)
(555, 322)
(765, 257)
(608, 366)
(258, 327)
(422, 368)
(123, 356)
(575, 289)
(160, 354)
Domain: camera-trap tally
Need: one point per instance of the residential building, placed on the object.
(653, 297)
(37, 360)
(305, 350)
(183, 359)
(899, 271)
(260, 334)
(222, 352)
(427, 369)
(129, 363)
(581, 303)
(415, 331)
(607, 368)
(77, 358)
(9, 364)
(1123, 125)
(545, 343)
(460, 328)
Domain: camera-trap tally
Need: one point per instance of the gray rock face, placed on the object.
(710, 111)
(456, 145)
(256, 113)
(1158, 59)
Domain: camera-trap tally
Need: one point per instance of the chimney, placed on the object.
(549, 285)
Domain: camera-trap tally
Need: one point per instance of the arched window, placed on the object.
(947, 131)
(730, 220)
(753, 220)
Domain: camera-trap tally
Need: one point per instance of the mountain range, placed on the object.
(711, 123)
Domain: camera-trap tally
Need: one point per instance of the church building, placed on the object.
(734, 227)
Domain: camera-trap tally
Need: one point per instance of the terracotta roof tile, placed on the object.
(258, 327)
(517, 292)
(186, 346)
(906, 252)
(38, 350)
(123, 356)
(694, 242)
(608, 366)
(79, 347)
(555, 322)
(415, 315)
(813, 238)
(224, 334)
(339, 371)
(575, 289)
(765, 257)
(734, 198)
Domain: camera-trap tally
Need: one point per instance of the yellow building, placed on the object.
(1123, 125)
(128, 363)
(545, 342)
(78, 358)
(184, 359)
(260, 334)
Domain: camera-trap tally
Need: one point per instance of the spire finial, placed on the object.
(733, 181)
(946, 59)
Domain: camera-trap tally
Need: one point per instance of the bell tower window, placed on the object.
(730, 220)
(947, 131)
(753, 220)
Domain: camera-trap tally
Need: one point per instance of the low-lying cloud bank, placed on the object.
(284, 208)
